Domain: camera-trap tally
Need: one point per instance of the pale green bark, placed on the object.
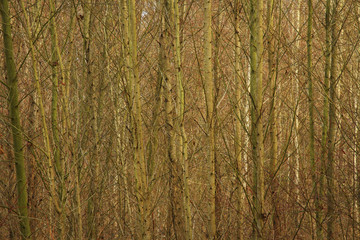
(182, 152)
(296, 100)
(142, 195)
(175, 214)
(238, 138)
(54, 101)
(209, 96)
(256, 59)
(12, 83)
(59, 164)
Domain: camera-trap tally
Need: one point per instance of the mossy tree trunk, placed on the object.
(12, 84)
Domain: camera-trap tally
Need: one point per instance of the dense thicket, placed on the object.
(179, 119)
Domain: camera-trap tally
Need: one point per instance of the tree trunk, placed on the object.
(59, 163)
(332, 122)
(93, 203)
(209, 96)
(238, 138)
(311, 116)
(12, 82)
(217, 83)
(273, 121)
(319, 208)
(139, 159)
(296, 97)
(182, 152)
(256, 58)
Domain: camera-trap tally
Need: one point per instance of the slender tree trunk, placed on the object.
(182, 153)
(256, 58)
(124, 20)
(129, 97)
(356, 147)
(175, 208)
(54, 101)
(209, 96)
(12, 82)
(273, 121)
(217, 83)
(311, 117)
(238, 138)
(59, 163)
(93, 203)
(355, 164)
(321, 193)
(72, 131)
(332, 122)
(139, 159)
(297, 76)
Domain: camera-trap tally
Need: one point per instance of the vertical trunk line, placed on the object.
(209, 97)
(13, 101)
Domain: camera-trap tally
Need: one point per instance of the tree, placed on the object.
(334, 77)
(209, 96)
(14, 114)
(238, 135)
(176, 212)
(309, 40)
(256, 61)
(182, 142)
(139, 158)
(273, 119)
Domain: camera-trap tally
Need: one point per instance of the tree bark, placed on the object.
(256, 62)
(182, 152)
(273, 121)
(238, 135)
(209, 96)
(332, 122)
(142, 194)
(13, 101)
(311, 116)
(59, 163)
